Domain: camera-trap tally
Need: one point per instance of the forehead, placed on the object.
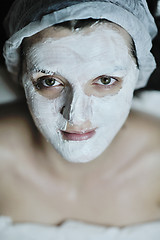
(57, 33)
(97, 49)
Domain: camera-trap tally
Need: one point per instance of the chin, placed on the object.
(81, 151)
(78, 159)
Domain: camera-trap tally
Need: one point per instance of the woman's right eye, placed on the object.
(47, 82)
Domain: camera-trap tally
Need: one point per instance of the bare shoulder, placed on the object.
(146, 127)
(143, 136)
(16, 129)
(14, 119)
(145, 131)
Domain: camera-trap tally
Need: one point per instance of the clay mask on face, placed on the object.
(78, 59)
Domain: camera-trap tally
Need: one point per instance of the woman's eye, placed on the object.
(49, 82)
(105, 80)
(46, 82)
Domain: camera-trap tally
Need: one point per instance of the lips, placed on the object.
(78, 136)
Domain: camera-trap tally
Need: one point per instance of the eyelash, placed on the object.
(40, 82)
(111, 79)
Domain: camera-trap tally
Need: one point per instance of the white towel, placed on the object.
(74, 230)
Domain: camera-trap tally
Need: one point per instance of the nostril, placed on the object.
(62, 110)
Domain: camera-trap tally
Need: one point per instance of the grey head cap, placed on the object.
(28, 17)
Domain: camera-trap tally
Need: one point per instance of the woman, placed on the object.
(91, 160)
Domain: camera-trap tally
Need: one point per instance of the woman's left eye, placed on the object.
(105, 80)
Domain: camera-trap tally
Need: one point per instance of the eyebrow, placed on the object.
(45, 71)
(116, 69)
(113, 71)
(119, 68)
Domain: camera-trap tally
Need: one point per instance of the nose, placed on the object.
(76, 109)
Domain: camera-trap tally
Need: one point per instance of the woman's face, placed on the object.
(79, 87)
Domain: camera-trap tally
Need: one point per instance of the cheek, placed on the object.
(43, 110)
(47, 116)
(112, 110)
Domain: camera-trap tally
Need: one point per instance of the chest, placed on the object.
(123, 197)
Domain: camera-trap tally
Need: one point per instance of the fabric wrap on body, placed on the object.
(76, 230)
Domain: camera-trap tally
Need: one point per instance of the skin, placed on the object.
(80, 99)
(119, 188)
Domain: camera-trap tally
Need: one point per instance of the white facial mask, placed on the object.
(80, 58)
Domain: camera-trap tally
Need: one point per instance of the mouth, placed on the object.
(78, 136)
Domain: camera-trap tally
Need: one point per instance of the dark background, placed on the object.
(5, 5)
(154, 82)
